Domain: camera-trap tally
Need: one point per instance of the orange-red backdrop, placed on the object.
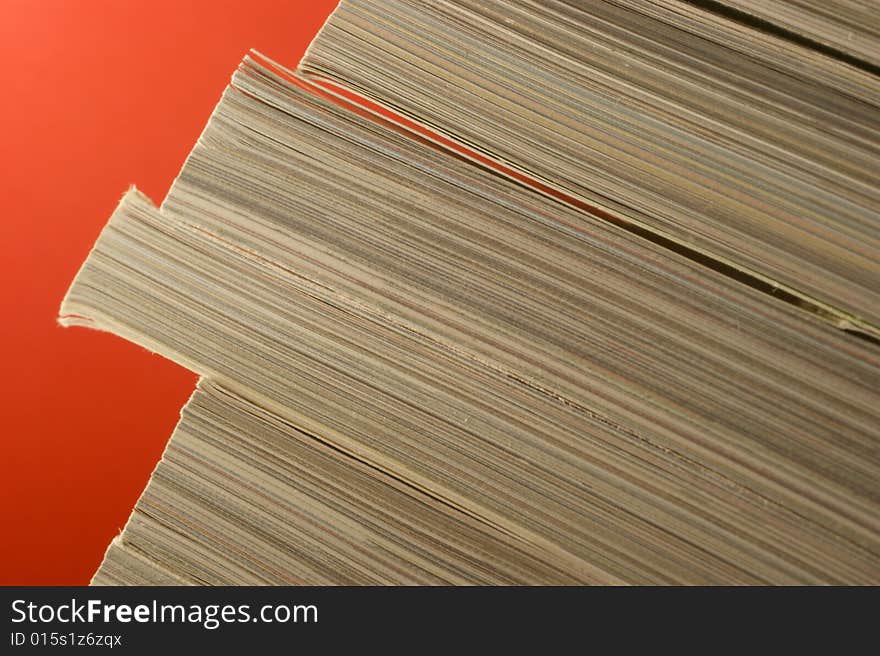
(94, 96)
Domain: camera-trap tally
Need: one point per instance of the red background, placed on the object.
(95, 96)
